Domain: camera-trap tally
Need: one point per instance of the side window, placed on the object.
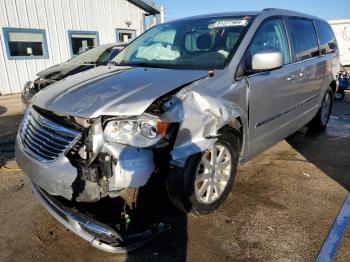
(326, 36)
(303, 37)
(271, 35)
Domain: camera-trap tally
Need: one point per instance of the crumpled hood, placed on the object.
(111, 90)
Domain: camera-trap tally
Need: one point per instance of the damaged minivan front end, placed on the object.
(87, 164)
(85, 160)
(101, 133)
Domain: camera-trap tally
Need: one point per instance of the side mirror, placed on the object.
(267, 60)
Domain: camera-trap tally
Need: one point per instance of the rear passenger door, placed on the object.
(304, 41)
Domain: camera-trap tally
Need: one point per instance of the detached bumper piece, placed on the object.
(99, 235)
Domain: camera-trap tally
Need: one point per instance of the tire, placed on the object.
(320, 121)
(186, 185)
(339, 96)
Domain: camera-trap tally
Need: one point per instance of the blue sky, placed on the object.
(327, 9)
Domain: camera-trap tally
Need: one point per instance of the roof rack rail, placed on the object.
(272, 9)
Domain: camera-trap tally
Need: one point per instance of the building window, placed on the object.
(81, 41)
(125, 35)
(25, 43)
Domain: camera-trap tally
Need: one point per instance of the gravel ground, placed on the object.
(281, 208)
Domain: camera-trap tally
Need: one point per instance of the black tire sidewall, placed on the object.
(316, 123)
(330, 109)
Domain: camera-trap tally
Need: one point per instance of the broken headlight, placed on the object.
(137, 132)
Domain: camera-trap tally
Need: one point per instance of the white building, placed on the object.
(341, 28)
(36, 34)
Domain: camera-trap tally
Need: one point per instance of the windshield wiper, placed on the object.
(141, 64)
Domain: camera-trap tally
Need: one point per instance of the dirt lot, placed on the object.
(281, 208)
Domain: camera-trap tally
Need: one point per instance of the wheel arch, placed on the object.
(237, 127)
(334, 86)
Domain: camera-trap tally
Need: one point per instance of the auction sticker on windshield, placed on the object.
(230, 23)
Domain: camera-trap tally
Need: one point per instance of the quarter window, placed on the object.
(326, 36)
(303, 37)
(81, 41)
(25, 43)
(271, 35)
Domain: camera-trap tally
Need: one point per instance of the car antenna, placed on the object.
(210, 72)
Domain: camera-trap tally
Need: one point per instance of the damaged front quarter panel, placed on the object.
(201, 110)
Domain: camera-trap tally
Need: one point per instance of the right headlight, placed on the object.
(144, 131)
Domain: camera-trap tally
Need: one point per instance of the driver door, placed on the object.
(272, 93)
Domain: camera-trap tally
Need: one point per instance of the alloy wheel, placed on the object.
(213, 174)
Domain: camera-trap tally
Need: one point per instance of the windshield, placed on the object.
(195, 44)
(97, 55)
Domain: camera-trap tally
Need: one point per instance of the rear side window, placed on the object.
(303, 37)
(326, 36)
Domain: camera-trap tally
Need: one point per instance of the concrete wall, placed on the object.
(56, 17)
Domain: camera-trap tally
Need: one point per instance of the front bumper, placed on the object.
(41, 153)
(56, 177)
(99, 235)
(132, 170)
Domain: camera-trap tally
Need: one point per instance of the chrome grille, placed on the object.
(44, 139)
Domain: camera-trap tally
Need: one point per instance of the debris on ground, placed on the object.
(305, 174)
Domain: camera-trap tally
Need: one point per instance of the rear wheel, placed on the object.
(320, 121)
(207, 178)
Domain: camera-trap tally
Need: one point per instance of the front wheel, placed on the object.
(207, 178)
(320, 121)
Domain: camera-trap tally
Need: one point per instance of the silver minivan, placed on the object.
(190, 99)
